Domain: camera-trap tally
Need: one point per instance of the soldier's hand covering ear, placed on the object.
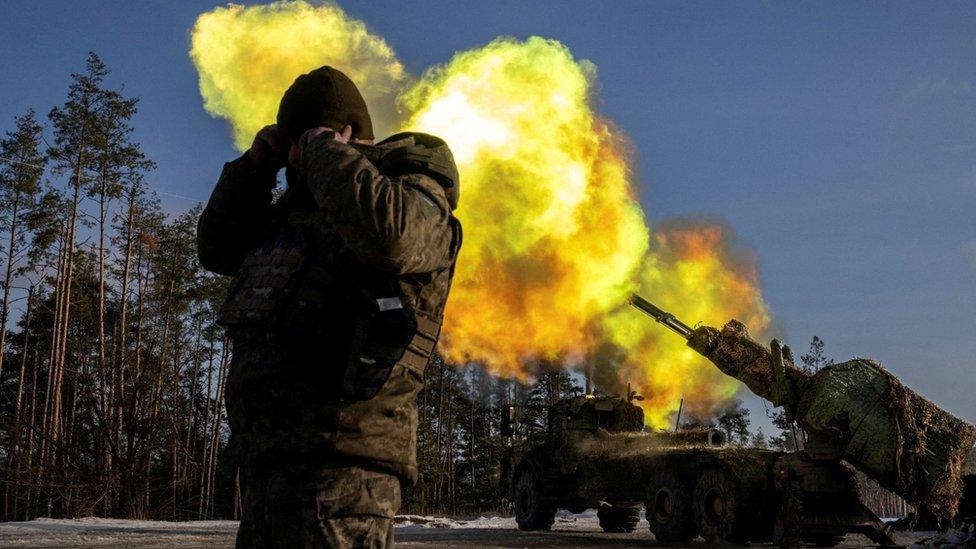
(398, 224)
(297, 152)
(267, 151)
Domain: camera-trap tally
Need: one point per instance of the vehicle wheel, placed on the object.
(619, 520)
(532, 511)
(717, 505)
(669, 512)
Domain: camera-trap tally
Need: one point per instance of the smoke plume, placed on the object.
(555, 238)
(248, 56)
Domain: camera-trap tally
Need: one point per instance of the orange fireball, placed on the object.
(555, 239)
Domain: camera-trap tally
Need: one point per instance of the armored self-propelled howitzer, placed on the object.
(597, 453)
(854, 414)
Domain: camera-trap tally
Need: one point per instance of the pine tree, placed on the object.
(552, 385)
(734, 420)
(76, 127)
(790, 437)
(21, 169)
(117, 160)
(815, 359)
(116, 400)
(758, 440)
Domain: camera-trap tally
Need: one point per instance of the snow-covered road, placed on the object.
(582, 530)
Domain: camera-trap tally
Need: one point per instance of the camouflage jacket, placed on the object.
(363, 222)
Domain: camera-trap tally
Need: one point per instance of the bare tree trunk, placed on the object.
(105, 423)
(440, 424)
(47, 420)
(138, 373)
(206, 430)
(57, 429)
(9, 275)
(193, 427)
(450, 453)
(35, 480)
(16, 431)
(177, 420)
(121, 347)
(218, 416)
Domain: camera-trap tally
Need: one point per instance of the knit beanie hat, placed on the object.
(323, 97)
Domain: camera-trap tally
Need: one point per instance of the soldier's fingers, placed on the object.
(346, 134)
(267, 136)
(273, 139)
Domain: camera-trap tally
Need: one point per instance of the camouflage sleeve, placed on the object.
(235, 215)
(399, 224)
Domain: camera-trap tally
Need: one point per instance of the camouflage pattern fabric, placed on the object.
(317, 471)
(238, 212)
(401, 224)
(292, 505)
(279, 390)
(278, 409)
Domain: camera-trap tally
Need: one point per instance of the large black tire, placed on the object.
(618, 520)
(533, 511)
(719, 508)
(669, 508)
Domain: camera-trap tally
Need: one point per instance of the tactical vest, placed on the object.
(300, 288)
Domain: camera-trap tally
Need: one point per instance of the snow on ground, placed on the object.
(206, 533)
(415, 531)
(45, 532)
(586, 520)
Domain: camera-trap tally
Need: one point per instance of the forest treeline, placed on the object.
(112, 366)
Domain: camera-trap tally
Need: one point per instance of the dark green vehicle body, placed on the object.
(598, 454)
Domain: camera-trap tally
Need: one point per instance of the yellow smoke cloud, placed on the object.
(555, 238)
(554, 235)
(692, 272)
(248, 56)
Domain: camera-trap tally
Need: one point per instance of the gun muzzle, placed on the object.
(661, 316)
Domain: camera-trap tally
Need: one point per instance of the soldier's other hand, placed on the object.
(267, 151)
(297, 152)
(345, 136)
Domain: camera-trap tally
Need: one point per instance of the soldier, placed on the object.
(336, 305)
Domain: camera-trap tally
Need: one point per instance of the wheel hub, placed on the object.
(663, 505)
(714, 507)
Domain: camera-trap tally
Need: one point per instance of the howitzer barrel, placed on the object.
(661, 316)
(859, 411)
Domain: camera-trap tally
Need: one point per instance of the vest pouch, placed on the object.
(384, 328)
(263, 285)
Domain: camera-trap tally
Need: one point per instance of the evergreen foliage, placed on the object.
(112, 366)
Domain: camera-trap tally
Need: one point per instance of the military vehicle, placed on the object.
(596, 453)
(853, 415)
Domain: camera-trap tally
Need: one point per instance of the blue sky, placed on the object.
(837, 139)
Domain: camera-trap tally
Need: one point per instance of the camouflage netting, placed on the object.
(901, 440)
(621, 463)
(582, 414)
(627, 445)
(738, 355)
